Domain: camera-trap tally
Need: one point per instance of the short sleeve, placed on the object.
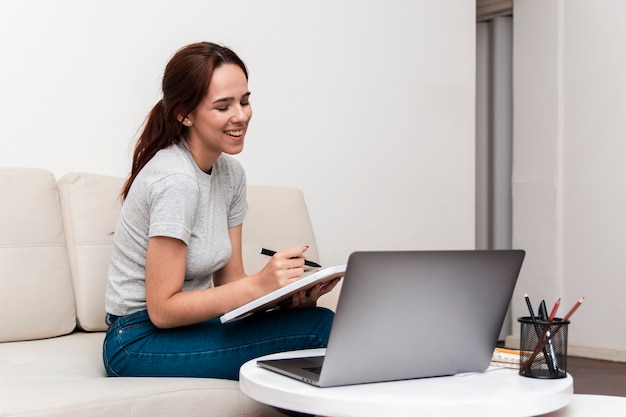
(239, 204)
(173, 204)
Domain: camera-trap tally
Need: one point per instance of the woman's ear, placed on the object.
(184, 120)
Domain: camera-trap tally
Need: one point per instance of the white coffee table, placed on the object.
(496, 392)
(592, 406)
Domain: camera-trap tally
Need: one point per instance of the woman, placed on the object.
(180, 226)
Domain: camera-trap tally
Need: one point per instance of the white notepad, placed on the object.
(279, 296)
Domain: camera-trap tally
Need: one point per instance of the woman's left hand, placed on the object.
(309, 297)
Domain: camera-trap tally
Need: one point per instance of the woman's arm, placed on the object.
(168, 306)
(233, 270)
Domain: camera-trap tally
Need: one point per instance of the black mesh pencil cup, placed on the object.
(543, 348)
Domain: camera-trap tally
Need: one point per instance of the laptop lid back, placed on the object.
(412, 314)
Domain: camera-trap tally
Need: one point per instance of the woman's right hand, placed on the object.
(283, 268)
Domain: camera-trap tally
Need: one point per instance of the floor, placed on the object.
(598, 377)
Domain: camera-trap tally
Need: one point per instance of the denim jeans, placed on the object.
(133, 346)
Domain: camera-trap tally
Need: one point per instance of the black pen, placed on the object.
(270, 252)
(543, 311)
(543, 316)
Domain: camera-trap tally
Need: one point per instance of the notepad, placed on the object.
(281, 295)
(505, 358)
(510, 358)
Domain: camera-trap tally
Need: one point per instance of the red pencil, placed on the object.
(554, 310)
(573, 309)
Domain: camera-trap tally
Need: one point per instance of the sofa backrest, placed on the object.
(90, 204)
(36, 299)
(277, 219)
(56, 239)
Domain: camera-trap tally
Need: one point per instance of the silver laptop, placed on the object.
(412, 314)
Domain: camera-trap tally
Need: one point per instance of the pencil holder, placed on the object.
(543, 348)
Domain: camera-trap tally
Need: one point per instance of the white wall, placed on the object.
(570, 175)
(368, 106)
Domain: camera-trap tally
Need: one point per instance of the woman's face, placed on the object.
(220, 121)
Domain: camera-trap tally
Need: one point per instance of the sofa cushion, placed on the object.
(64, 376)
(36, 299)
(91, 205)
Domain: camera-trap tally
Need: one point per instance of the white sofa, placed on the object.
(55, 241)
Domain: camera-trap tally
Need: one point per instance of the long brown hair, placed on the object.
(185, 83)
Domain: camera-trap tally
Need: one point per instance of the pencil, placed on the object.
(573, 309)
(554, 309)
(531, 311)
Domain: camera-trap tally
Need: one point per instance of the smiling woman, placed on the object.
(176, 264)
(186, 82)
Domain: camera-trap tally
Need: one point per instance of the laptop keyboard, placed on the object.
(314, 369)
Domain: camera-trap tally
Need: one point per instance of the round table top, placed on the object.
(495, 392)
(591, 406)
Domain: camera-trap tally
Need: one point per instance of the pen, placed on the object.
(270, 252)
(543, 311)
(543, 315)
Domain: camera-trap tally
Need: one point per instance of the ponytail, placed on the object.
(158, 133)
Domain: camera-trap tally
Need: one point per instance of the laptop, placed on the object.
(412, 314)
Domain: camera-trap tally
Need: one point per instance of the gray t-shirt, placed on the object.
(172, 197)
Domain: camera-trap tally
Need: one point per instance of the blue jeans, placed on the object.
(133, 346)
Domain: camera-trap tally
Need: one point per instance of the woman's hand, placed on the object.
(308, 298)
(283, 268)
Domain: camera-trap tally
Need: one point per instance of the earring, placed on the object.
(188, 122)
